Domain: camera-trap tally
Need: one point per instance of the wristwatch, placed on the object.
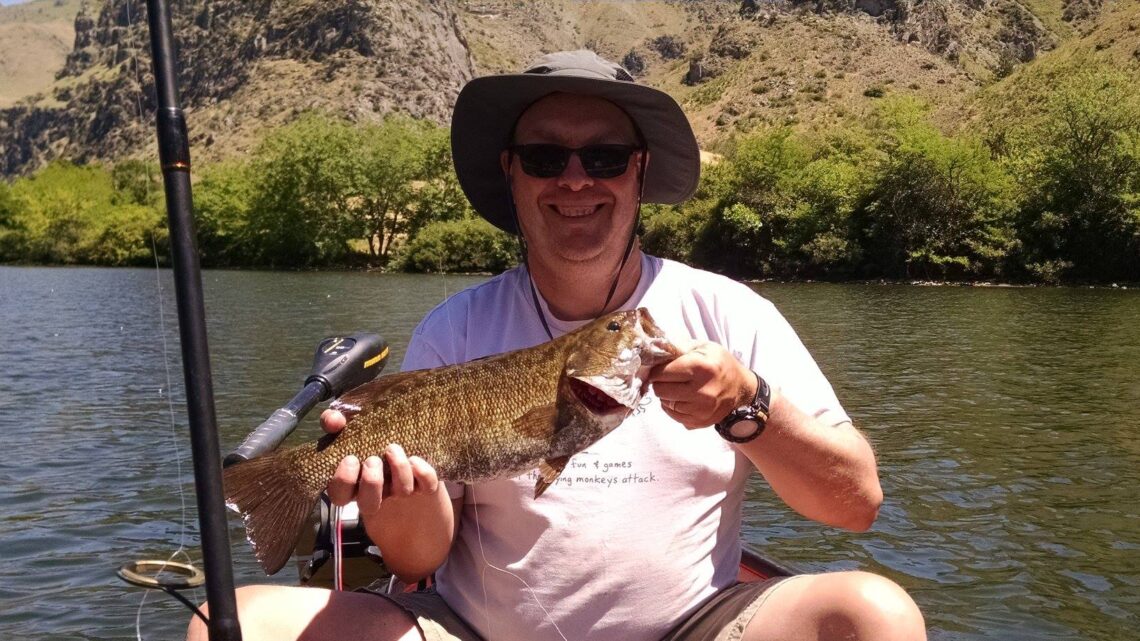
(745, 423)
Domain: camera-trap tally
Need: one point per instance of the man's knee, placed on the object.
(282, 613)
(250, 599)
(873, 602)
(846, 606)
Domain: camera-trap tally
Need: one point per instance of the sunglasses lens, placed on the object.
(543, 161)
(605, 161)
(599, 161)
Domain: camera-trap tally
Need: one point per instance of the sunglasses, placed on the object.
(549, 161)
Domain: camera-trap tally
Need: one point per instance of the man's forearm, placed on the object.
(826, 473)
(414, 533)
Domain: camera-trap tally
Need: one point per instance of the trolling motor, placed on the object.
(341, 364)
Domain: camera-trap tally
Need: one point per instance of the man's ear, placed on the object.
(505, 162)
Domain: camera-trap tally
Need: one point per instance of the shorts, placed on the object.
(722, 618)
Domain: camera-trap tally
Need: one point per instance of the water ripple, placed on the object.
(1004, 422)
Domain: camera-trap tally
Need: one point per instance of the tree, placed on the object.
(69, 214)
(739, 234)
(1081, 176)
(10, 225)
(305, 176)
(223, 199)
(394, 165)
(781, 205)
(137, 182)
(937, 207)
(321, 183)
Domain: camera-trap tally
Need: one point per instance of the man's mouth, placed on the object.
(575, 211)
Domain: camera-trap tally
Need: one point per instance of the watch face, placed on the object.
(744, 428)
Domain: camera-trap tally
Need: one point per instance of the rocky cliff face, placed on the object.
(989, 34)
(242, 65)
(250, 64)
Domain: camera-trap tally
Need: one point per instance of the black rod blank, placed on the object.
(174, 154)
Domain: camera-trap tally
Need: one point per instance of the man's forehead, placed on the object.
(564, 115)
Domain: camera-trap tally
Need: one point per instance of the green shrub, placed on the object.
(69, 214)
(1079, 170)
(223, 198)
(668, 231)
(937, 207)
(468, 245)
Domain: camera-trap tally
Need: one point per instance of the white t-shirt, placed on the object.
(643, 526)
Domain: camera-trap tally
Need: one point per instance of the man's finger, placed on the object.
(342, 485)
(672, 390)
(403, 482)
(371, 492)
(332, 421)
(426, 478)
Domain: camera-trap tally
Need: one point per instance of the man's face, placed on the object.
(574, 220)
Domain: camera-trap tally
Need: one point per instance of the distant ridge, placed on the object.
(736, 66)
(35, 37)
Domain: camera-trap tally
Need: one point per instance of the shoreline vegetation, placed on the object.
(1050, 198)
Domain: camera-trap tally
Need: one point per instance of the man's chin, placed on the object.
(583, 256)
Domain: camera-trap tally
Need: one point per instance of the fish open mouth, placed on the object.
(593, 398)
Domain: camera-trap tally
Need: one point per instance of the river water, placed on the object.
(1005, 422)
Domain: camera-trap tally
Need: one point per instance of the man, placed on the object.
(642, 541)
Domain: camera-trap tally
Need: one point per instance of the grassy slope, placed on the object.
(35, 38)
(805, 70)
(1049, 12)
(1111, 43)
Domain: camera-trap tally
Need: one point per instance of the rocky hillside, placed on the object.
(243, 66)
(35, 38)
(736, 65)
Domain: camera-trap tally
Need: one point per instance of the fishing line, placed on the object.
(338, 549)
(488, 564)
(175, 445)
(479, 526)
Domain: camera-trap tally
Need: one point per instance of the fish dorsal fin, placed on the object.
(355, 400)
(548, 471)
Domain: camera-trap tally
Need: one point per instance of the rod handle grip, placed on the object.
(265, 438)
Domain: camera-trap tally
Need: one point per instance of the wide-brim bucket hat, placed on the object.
(488, 107)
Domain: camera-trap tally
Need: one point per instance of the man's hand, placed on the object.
(405, 509)
(369, 484)
(703, 385)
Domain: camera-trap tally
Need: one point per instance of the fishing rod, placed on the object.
(174, 155)
(341, 363)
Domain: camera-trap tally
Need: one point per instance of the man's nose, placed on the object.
(574, 176)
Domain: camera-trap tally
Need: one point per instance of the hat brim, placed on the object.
(486, 111)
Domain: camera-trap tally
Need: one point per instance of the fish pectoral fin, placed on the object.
(538, 422)
(548, 471)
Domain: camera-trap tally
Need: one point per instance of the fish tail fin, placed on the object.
(274, 501)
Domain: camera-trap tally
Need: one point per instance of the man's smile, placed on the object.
(574, 211)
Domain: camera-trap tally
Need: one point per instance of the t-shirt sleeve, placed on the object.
(782, 359)
(420, 354)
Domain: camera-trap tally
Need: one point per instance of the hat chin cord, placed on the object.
(526, 258)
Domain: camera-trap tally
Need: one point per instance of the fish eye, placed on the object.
(613, 326)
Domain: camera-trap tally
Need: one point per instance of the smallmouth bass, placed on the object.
(496, 417)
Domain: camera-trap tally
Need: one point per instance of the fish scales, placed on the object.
(491, 418)
(460, 437)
